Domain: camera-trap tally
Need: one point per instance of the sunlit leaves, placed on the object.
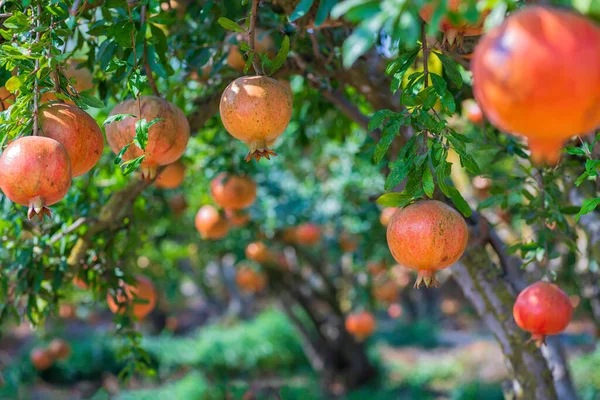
(230, 25)
(301, 9)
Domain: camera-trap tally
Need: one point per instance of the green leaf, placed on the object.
(141, 133)
(428, 185)
(249, 62)
(582, 178)
(132, 165)
(119, 156)
(90, 100)
(470, 164)
(230, 25)
(116, 118)
(301, 9)
(378, 118)
(587, 207)
(575, 151)
(324, 9)
(123, 32)
(13, 84)
(362, 39)
(281, 55)
(397, 175)
(459, 201)
(450, 68)
(136, 83)
(394, 199)
(389, 133)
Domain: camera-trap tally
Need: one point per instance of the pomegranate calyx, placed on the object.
(259, 150)
(538, 338)
(37, 208)
(427, 279)
(149, 173)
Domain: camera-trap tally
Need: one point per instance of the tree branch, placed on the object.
(252, 36)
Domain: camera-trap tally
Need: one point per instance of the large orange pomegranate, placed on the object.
(538, 75)
(263, 44)
(129, 295)
(386, 291)
(35, 172)
(361, 324)
(59, 349)
(308, 234)
(40, 358)
(454, 32)
(249, 280)
(233, 192)
(171, 177)
(210, 223)
(256, 110)
(77, 131)
(427, 236)
(167, 139)
(542, 309)
(386, 214)
(258, 252)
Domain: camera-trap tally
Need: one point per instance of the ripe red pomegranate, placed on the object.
(308, 234)
(537, 75)
(453, 33)
(77, 131)
(542, 309)
(35, 172)
(386, 215)
(143, 290)
(361, 324)
(233, 192)
(249, 280)
(427, 236)
(474, 113)
(210, 223)
(167, 139)
(256, 110)
(258, 252)
(40, 358)
(59, 349)
(172, 176)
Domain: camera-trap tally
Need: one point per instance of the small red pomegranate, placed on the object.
(258, 252)
(167, 139)
(59, 349)
(249, 280)
(256, 110)
(454, 32)
(211, 224)
(143, 290)
(40, 358)
(427, 236)
(542, 309)
(474, 113)
(361, 325)
(35, 172)
(537, 75)
(308, 234)
(386, 215)
(172, 176)
(233, 192)
(77, 131)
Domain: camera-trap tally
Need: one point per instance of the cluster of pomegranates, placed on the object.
(43, 358)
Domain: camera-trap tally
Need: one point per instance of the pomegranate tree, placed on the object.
(167, 138)
(35, 172)
(427, 236)
(256, 110)
(210, 223)
(139, 299)
(233, 192)
(361, 324)
(77, 131)
(542, 309)
(454, 32)
(537, 75)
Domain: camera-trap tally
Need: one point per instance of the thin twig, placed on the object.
(425, 54)
(76, 225)
(151, 80)
(252, 36)
(36, 89)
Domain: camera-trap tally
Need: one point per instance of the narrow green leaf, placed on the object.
(324, 9)
(116, 117)
(394, 199)
(230, 25)
(389, 132)
(141, 133)
(132, 165)
(281, 55)
(378, 118)
(90, 100)
(249, 61)
(119, 156)
(428, 185)
(587, 207)
(301, 9)
(397, 175)
(450, 68)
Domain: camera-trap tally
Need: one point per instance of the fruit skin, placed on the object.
(171, 177)
(143, 289)
(210, 223)
(308, 234)
(77, 131)
(427, 236)
(249, 280)
(258, 252)
(59, 349)
(454, 32)
(361, 325)
(256, 110)
(41, 358)
(542, 309)
(35, 171)
(233, 192)
(167, 139)
(538, 75)
(386, 215)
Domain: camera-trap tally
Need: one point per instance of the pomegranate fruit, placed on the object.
(171, 177)
(361, 324)
(348, 242)
(376, 268)
(40, 358)
(59, 349)
(542, 309)
(258, 252)
(35, 172)
(454, 32)
(77, 131)
(237, 218)
(129, 295)
(249, 280)
(386, 291)
(427, 236)
(211, 224)
(256, 110)
(308, 234)
(386, 214)
(537, 75)
(474, 113)
(177, 204)
(233, 192)
(167, 139)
